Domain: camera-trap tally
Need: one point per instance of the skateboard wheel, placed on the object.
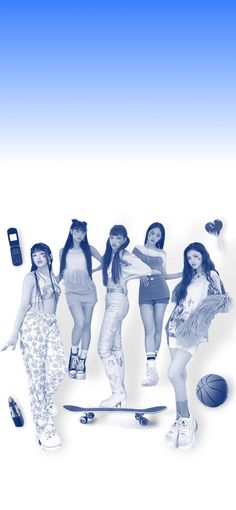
(144, 422)
(90, 416)
(83, 419)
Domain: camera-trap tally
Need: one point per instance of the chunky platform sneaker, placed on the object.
(81, 369)
(117, 399)
(173, 434)
(151, 378)
(187, 432)
(49, 443)
(72, 367)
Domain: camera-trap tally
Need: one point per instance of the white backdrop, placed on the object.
(113, 461)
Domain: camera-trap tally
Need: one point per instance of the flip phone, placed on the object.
(14, 242)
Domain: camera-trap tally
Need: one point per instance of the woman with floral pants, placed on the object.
(40, 343)
(41, 347)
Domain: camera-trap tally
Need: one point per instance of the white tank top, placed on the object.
(75, 260)
(76, 276)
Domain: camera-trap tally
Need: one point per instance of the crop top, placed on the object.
(131, 267)
(155, 259)
(45, 287)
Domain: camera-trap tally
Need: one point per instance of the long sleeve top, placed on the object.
(131, 267)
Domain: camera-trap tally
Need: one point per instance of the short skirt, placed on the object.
(79, 288)
(74, 297)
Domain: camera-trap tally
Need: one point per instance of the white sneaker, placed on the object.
(151, 378)
(50, 443)
(117, 399)
(187, 432)
(173, 434)
(52, 409)
(81, 369)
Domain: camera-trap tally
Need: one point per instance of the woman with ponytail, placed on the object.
(80, 291)
(40, 343)
(118, 267)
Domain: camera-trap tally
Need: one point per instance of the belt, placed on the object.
(115, 290)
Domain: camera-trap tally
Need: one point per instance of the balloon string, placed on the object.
(220, 244)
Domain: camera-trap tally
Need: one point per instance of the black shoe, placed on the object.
(73, 362)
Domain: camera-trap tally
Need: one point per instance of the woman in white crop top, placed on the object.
(40, 343)
(80, 291)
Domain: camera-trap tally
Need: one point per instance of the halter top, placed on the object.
(46, 290)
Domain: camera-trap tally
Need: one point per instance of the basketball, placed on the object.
(212, 390)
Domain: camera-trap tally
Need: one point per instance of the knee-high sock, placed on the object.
(182, 409)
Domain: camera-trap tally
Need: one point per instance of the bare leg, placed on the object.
(77, 313)
(86, 337)
(177, 375)
(86, 333)
(159, 312)
(148, 319)
(182, 432)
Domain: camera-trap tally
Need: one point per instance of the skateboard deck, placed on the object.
(89, 412)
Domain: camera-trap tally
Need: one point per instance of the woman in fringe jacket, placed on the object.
(198, 297)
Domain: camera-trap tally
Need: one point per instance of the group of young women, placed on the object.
(198, 297)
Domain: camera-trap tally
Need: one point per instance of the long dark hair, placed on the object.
(49, 258)
(161, 241)
(77, 225)
(180, 290)
(116, 263)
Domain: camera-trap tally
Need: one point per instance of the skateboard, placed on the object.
(89, 412)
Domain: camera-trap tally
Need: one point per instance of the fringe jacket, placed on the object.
(191, 330)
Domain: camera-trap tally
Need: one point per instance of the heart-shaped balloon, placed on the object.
(219, 225)
(214, 227)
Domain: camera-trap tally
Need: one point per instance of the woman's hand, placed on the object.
(11, 343)
(144, 281)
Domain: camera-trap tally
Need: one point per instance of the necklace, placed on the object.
(196, 276)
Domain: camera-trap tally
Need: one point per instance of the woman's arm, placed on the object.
(59, 277)
(95, 253)
(28, 286)
(133, 267)
(144, 279)
(172, 276)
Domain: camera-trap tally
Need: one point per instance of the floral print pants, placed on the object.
(44, 360)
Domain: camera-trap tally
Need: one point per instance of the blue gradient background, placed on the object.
(118, 112)
(101, 78)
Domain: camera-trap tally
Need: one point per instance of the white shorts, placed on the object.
(174, 344)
